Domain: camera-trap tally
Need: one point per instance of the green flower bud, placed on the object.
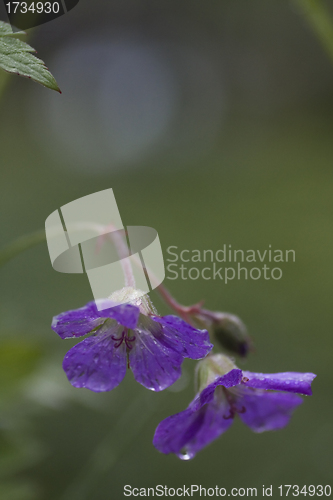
(215, 365)
(231, 333)
(227, 329)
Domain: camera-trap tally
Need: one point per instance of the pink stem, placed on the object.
(183, 311)
(122, 251)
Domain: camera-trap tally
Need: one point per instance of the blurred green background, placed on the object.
(212, 122)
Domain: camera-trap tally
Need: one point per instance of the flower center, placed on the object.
(124, 337)
(136, 297)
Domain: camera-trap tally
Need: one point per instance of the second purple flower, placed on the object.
(263, 401)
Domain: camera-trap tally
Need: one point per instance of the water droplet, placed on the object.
(185, 455)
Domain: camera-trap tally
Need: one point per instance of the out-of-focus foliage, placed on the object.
(320, 18)
(17, 361)
(18, 490)
(244, 158)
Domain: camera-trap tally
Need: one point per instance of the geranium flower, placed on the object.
(130, 335)
(226, 391)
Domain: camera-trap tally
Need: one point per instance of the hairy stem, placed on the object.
(122, 250)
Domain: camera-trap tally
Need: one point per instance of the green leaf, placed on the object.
(16, 57)
(6, 30)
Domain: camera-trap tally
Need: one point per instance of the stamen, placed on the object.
(119, 340)
(231, 415)
(123, 338)
(232, 405)
(128, 340)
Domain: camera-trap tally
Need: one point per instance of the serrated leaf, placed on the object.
(6, 30)
(16, 57)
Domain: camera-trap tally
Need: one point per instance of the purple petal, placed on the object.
(77, 322)
(188, 432)
(188, 341)
(154, 363)
(267, 411)
(287, 381)
(95, 363)
(126, 314)
(230, 379)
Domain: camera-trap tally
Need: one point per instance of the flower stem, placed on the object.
(122, 250)
(30, 240)
(183, 311)
(318, 16)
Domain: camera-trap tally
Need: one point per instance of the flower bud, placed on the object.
(231, 333)
(214, 365)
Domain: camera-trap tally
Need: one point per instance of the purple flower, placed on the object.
(127, 335)
(226, 391)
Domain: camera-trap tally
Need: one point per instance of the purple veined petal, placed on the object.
(126, 314)
(267, 411)
(96, 363)
(287, 381)
(188, 432)
(154, 364)
(188, 341)
(174, 432)
(230, 379)
(77, 322)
